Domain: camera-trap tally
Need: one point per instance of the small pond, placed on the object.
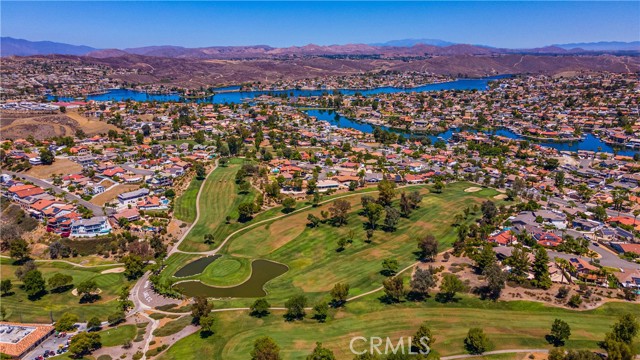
(262, 271)
(195, 267)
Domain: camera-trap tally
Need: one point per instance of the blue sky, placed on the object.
(195, 24)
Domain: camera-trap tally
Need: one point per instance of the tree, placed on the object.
(339, 294)
(87, 290)
(245, 211)
(295, 307)
(201, 172)
(206, 324)
(617, 350)
(265, 348)
(33, 284)
(66, 322)
(428, 247)
(19, 250)
(94, 323)
(387, 191)
(133, 266)
(373, 212)
(422, 282)
(405, 205)
(58, 249)
(47, 157)
(519, 263)
(423, 339)
(289, 204)
(390, 267)
(393, 288)
(541, 277)
(321, 311)
(485, 258)
(438, 186)
(321, 353)
(477, 342)
(574, 301)
(260, 308)
(84, 343)
(451, 284)
(626, 329)
(391, 218)
(199, 137)
(24, 269)
(208, 239)
(313, 221)
(339, 211)
(58, 281)
(496, 279)
(116, 317)
(489, 211)
(244, 187)
(5, 286)
(560, 332)
(342, 243)
(201, 307)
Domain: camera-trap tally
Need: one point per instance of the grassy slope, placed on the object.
(20, 308)
(185, 206)
(219, 199)
(315, 265)
(118, 335)
(508, 325)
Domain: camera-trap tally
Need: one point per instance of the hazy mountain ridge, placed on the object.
(401, 48)
(21, 47)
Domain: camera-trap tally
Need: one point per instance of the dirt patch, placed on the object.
(109, 195)
(113, 271)
(472, 189)
(60, 167)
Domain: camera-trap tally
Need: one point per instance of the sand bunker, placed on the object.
(113, 271)
(74, 292)
(472, 189)
(500, 197)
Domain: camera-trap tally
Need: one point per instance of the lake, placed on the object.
(589, 143)
(262, 271)
(229, 95)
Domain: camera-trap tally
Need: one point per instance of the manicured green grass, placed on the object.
(173, 327)
(226, 271)
(315, 265)
(508, 325)
(219, 199)
(20, 308)
(117, 336)
(185, 205)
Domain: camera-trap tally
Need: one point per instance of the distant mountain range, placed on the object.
(11, 46)
(412, 42)
(395, 48)
(604, 46)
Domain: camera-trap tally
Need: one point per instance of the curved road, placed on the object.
(97, 210)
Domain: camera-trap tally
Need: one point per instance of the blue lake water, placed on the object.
(590, 142)
(230, 94)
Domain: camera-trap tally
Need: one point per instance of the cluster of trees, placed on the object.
(201, 313)
(265, 348)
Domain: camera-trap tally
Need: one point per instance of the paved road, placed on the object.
(97, 210)
(496, 352)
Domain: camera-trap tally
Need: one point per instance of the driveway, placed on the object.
(97, 210)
